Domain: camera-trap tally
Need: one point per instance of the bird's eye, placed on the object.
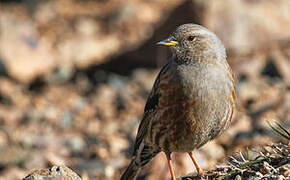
(191, 38)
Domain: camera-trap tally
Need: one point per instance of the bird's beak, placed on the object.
(167, 42)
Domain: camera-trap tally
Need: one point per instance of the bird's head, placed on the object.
(192, 42)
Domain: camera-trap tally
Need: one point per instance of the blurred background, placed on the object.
(75, 75)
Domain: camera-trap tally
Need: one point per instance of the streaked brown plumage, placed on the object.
(191, 102)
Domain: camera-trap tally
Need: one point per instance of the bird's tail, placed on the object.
(131, 172)
(144, 155)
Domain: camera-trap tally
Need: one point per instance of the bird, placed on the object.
(191, 102)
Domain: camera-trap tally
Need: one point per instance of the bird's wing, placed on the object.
(150, 107)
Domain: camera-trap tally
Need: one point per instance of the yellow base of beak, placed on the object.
(167, 42)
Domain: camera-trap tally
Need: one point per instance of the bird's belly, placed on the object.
(190, 128)
(186, 141)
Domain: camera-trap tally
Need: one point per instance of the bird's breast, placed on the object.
(205, 97)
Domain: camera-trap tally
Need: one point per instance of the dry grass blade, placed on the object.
(282, 131)
(285, 130)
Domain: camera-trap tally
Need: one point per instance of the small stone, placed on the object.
(117, 144)
(56, 172)
(259, 174)
(280, 177)
(265, 169)
(284, 171)
(76, 144)
(3, 138)
(109, 172)
(66, 119)
(213, 150)
(103, 153)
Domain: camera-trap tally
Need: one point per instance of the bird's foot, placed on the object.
(200, 173)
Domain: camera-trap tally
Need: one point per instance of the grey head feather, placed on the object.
(196, 43)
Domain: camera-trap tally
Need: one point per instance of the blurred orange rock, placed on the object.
(24, 53)
(67, 34)
(248, 25)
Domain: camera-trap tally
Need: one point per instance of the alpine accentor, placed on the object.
(192, 100)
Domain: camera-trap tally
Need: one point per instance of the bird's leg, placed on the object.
(199, 170)
(170, 166)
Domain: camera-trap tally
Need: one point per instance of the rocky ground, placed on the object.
(75, 75)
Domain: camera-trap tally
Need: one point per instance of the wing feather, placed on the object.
(150, 108)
